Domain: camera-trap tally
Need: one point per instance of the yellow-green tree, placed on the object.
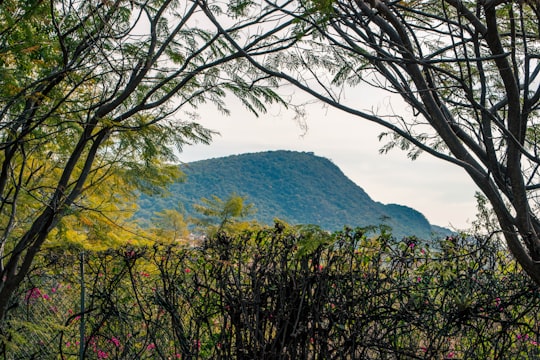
(223, 215)
(96, 98)
(170, 225)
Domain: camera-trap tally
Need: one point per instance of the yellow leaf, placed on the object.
(30, 49)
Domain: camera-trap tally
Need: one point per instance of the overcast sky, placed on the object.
(441, 191)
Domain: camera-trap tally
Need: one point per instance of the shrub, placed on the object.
(283, 293)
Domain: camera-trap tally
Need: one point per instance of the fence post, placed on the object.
(81, 329)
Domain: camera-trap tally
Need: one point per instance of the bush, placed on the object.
(282, 293)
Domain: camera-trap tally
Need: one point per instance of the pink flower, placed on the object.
(450, 355)
(151, 346)
(115, 341)
(33, 293)
(187, 270)
(102, 354)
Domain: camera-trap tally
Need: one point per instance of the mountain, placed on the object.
(298, 187)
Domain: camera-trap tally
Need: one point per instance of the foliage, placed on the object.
(169, 224)
(464, 75)
(299, 188)
(273, 293)
(217, 215)
(96, 100)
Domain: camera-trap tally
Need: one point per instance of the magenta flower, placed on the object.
(151, 346)
(33, 293)
(115, 341)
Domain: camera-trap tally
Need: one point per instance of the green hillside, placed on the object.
(298, 187)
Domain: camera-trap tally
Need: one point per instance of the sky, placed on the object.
(441, 191)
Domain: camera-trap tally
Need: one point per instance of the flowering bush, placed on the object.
(285, 292)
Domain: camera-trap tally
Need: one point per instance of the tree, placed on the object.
(94, 98)
(467, 70)
(170, 225)
(222, 215)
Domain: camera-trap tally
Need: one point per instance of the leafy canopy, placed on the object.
(97, 98)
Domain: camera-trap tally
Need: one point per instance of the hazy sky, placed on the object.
(441, 191)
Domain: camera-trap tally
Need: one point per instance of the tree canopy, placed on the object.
(468, 72)
(95, 96)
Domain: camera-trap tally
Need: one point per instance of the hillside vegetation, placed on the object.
(298, 187)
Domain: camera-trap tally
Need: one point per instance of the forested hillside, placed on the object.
(298, 187)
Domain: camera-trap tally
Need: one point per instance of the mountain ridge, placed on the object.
(297, 187)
